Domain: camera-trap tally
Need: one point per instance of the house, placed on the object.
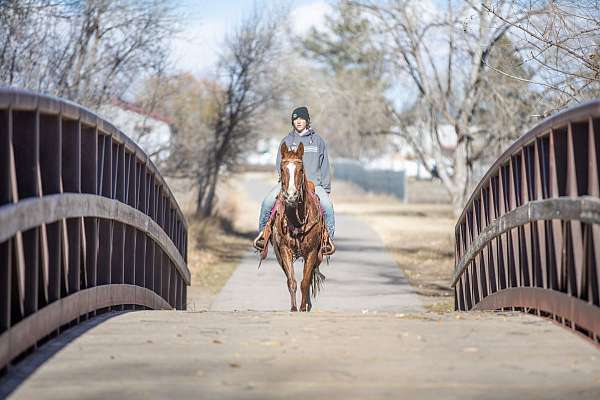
(151, 131)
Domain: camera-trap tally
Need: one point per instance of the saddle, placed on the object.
(326, 248)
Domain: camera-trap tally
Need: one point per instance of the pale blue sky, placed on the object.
(205, 23)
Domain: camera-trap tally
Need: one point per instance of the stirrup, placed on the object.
(329, 247)
(259, 242)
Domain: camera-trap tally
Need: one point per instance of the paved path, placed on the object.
(362, 275)
(282, 355)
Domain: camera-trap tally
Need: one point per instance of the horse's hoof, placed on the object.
(294, 309)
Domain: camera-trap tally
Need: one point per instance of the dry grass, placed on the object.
(418, 235)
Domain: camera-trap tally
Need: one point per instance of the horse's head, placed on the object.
(292, 173)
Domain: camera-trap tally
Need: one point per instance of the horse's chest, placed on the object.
(294, 240)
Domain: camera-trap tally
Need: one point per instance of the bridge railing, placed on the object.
(87, 223)
(529, 236)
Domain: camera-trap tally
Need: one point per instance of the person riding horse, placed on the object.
(316, 165)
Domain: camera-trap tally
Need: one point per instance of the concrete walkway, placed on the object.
(362, 275)
(281, 355)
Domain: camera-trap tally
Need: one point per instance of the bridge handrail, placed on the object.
(529, 235)
(87, 223)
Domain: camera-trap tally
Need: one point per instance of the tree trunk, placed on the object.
(207, 189)
(458, 184)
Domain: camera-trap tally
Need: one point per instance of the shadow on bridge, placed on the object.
(27, 364)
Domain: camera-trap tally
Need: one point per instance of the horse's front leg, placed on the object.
(309, 264)
(286, 260)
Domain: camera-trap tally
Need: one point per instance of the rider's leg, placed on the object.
(328, 210)
(265, 211)
(266, 207)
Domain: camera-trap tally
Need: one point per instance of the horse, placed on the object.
(296, 228)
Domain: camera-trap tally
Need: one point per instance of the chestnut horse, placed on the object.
(296, 228)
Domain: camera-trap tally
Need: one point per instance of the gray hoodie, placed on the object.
(316, 161)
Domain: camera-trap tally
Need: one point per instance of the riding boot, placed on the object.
(259, 241)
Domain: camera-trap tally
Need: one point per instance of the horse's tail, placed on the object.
(316, 281)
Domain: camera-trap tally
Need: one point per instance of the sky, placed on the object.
(206, 22)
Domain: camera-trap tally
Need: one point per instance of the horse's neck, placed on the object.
(297, 214)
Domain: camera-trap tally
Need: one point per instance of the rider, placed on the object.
(316, 165)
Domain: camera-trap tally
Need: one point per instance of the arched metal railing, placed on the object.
(529, 236)
(86, 222)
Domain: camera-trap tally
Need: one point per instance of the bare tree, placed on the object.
(348, 111)
(215, 121)
(453, 112)
(345, 83)
(246, 69)
(87, 51)
(560, 41)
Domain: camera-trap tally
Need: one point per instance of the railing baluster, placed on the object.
(99, 229)
(528, 237)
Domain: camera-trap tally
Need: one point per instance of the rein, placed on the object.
(301, 198)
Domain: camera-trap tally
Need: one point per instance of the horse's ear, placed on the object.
(283, 149)
(300, 150)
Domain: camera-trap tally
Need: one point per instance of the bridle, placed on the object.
(301, 190)
(301, 196)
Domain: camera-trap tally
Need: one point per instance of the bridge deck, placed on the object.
(267, 355)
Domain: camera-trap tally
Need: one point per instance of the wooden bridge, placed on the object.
(87, 222)
(89, 231)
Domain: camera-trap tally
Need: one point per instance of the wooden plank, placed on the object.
(557, 180)
(129, 255)
(105, 240)
(118, 250)
(26, 155)
(71, 180)
(51, 171)
(33, 212)
(502, 239)
(151, 255)
(576, 158)
(172, 285)
(514, 270)
(6, 197)
(130, 252)
(140, 259)
(89, 160)
(89, 184)
(526, 241)
(5, 285)
(5, 158)
(541, 173)
(91, 250)
(560, 304)
(158, 272)
(585, 209)
(594, 190)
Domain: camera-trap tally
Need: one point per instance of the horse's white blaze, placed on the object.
(291, 189)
